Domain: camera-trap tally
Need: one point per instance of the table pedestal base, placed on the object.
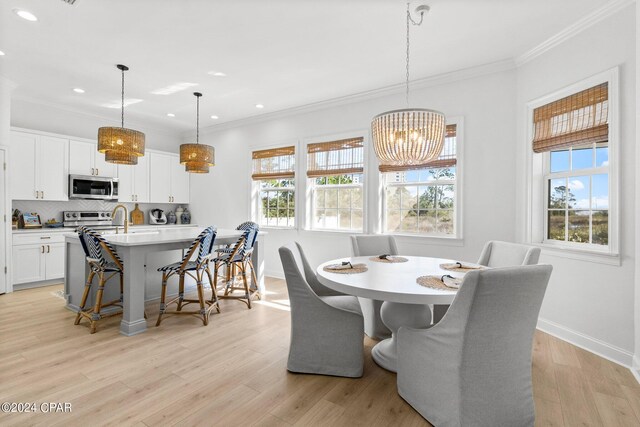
(394, 315)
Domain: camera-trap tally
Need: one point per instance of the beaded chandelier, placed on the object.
(197, 158)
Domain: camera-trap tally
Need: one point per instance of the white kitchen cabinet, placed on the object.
(37, 257)
(84, 159)
(39, 168)
(133, 181)
(168, 181)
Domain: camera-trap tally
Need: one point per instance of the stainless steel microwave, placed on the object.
(93, 187)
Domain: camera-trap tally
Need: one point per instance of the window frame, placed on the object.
(255, 187)
(310, 185)
(538, 170)
(458, 190)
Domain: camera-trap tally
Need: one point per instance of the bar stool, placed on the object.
(239, 258)
(104, 262)
(200, 248)
(247, 225)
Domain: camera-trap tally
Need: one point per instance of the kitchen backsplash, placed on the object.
(48, 209)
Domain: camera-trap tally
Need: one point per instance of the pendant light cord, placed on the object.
(197, 120)
(122, 95)
(410, 20)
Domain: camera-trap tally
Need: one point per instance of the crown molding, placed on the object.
(572, 30)
(439, 79)
(108, 119)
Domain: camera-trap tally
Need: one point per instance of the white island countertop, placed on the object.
(162, 236)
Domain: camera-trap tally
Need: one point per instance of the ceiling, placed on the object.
(280, 53)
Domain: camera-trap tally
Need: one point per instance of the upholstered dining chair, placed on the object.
(474, 366)
(504, 254)
(371, 246)
(194, 264)
(326, 331)
(238, 259)
(104, 262)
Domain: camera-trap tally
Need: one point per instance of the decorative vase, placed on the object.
(171, 217)
(185, 217)
(179, 214)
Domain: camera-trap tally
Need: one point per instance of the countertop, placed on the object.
(72, 229)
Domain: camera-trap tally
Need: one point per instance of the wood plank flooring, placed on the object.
(233, 372)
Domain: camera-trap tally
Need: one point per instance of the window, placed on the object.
(421, 199)
(573, 134)
(274, 175)
(335, 173)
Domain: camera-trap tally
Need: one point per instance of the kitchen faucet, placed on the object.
(126, 217)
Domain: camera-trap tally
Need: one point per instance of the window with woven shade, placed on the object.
(335, 171)
(422, 199)
(274, 176)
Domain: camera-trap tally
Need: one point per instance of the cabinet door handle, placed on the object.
(36, 194)
(48, 249)
(91, 171)
(46, 237)
(42, 249)
(97, 171)
(42, 195)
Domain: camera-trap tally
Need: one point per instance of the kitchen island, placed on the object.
(142, 253)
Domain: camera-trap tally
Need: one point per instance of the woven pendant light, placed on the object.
(121, 145)
(410, 136)
(197, 158)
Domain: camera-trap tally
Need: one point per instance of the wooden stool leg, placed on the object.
(214, 294)
(203, 311)
(255, 279)
(95, 316)
(85, 295)
(163, 296)
(247, 293)
(180, 292)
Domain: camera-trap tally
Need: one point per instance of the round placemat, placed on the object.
(433, 282)
(390, 260)
(357, 268)
(454, 267)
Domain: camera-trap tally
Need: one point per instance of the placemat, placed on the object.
(390, 260)
(357, 268)
(454, 267)
(433, 282)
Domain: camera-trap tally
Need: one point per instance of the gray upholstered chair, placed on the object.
(327, 332)
(474, 367)
(505, 254)
(371, 246)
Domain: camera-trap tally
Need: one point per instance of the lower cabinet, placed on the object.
(37, 257)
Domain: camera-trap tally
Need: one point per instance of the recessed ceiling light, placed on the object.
(171, 115)
(217, 74)
(259, 106)
(1, 53)
(214, 117)
(78, 90)
(25, 15)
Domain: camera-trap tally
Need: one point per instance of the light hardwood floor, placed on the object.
(233, 372)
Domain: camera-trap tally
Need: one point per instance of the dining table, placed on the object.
(406, 303)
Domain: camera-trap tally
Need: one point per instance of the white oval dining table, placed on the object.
(406, 303)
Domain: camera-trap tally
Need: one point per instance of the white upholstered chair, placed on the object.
(372, 246)
(505, 254)
(327, 332)
(473, 368)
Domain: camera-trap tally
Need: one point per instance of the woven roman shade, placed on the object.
(344, 156)
(579, 119)
(274, 163)
(446, 159)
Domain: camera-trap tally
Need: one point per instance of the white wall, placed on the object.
(636, 359)
(589, 303)
(485, 103)
(29, 115)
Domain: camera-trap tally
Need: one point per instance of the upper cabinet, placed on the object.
(133, 181)
(84, 159)
(39, 167)
(168, 181)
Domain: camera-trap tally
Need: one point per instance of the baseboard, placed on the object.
(275, 274)
(635, 368)
(593, 345)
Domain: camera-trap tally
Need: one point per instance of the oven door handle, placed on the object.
(111, 182)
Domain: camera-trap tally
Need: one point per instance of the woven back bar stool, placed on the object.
(104, 262)
(194, 264)
(247, 225)
(238, 259)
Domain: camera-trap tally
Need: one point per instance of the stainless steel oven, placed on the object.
(93, 187)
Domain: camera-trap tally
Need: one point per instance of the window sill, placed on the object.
(336, 232)
(428, 240)
(590, 255)
(271, 227)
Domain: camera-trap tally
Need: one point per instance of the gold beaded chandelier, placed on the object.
(121, 145)
(410, 136)
(197, 158)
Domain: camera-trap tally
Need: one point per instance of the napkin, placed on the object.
(451, 282)
(462, 264)
(346, 266)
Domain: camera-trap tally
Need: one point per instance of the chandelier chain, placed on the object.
(410, 20)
